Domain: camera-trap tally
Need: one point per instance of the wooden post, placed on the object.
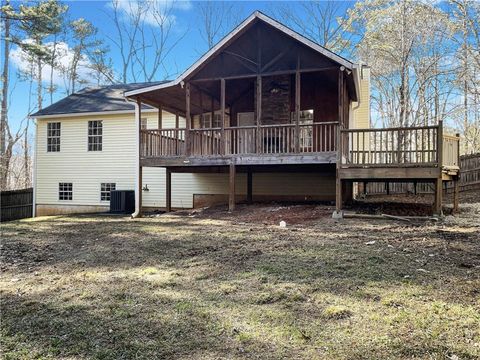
(340, 98)
(440, 147)
(177, 120)
(258, 112)
(297, 107)
(222, 100)
(387, 185)
(249, 187)
(456, 190)
(160, 115)
(437, 207)
(231, 194)
(338, 194)
(168, 187)
(188, 119)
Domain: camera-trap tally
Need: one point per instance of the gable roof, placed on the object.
(95, 99)
(257, 15)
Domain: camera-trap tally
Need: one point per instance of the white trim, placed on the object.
(96, 113)
(233, 33)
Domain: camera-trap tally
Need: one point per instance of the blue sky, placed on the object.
(184, 54)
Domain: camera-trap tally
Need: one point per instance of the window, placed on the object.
(65, 191)
(53, 137)
(143, 124)
(95, 135)
(206, 121)
(105, 189)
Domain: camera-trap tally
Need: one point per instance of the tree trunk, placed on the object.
(3, 116)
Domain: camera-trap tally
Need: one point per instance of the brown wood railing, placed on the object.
(163, 142)
(281, 139)
(204, 142)
(397, 147)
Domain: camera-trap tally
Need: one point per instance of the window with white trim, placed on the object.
(105, 189)
(95, 132)
(53, 136)
(65, 191)
(206, 121)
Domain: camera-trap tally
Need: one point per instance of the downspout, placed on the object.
(138, 187)
(34, 180)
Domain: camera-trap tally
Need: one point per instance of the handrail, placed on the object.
(390, 129)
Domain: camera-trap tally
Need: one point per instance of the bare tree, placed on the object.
(144, 37)
(321, 21)
(216, 18)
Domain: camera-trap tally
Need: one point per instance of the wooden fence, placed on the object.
(469, 179)
(16, 204)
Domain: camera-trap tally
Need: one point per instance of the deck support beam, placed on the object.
(249, 187)
(456, 190)
(338, 195)
(437, 207)
(168, 188)
(231, 192)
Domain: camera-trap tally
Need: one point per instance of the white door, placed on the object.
(246, 137)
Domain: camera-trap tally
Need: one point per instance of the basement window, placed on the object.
(53, 137)
(95, 132)
(105, 189)
(65, 191)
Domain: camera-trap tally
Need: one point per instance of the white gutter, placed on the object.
(34, 180)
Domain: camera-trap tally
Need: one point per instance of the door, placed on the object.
(246, 137)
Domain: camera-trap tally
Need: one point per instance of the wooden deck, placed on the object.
(245, 145)
(414, 152)
(398, 154)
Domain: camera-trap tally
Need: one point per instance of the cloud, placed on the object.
(154, 12)
(64, 58)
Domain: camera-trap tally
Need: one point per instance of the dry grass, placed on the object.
(198, 288)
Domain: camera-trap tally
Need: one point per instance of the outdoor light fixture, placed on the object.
(145, 188)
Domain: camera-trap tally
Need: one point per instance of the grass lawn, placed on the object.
(191, 287)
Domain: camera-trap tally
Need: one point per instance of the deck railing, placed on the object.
(265, 139)
(397, 147)
(162, 142)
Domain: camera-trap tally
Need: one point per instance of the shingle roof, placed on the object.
(95, 99)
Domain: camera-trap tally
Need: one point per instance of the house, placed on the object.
(265, 114)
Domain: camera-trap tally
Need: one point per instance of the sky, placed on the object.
(188, 50)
